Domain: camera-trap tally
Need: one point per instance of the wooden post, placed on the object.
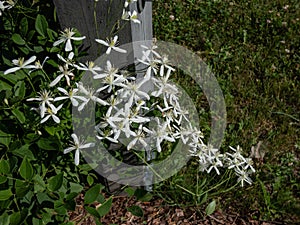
(95, 19)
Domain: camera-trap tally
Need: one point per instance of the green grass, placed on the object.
(253, 47)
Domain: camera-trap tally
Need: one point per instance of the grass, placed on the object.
(253, 49)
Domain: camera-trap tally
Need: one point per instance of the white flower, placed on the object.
(105, 135)
(38, 65)
(89, 95)
(65, 72)
(77, 146)
(160, 134)
(139, 136)
(133, 90)
(150, 50)
(71, 95)
(21, 64)
(111, 44)
(89, 66)
(66, 37)
(134, 17)
(110, 78)
(125, 15)
(243, 176)
(52, 113)
(69, 60)
(45, 99)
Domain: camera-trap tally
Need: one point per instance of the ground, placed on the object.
(156, 212)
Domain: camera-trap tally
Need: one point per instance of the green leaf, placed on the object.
(24, 26)
(136, 210)
(92, 194)
(39, 184)
(4, 166)
(142, 195)
(41, 25)
(24, 151)
(92, 211)
(54, 183)
(4, 219)
(50, 130)
(19, 115)
(16, 38)
(22, 187)
(5, 138)
(43, 197)
(3, 179)
(90, 180)
(105, 207)
(26, 170)
(15, 218)
(20, 89)
(5, 194)
(130, 191)
(74, 187)
(47, 144)
(211, 208)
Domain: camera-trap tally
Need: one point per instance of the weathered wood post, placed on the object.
(95, 20)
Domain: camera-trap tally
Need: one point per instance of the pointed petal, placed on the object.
(102, 42)
(67, 150)
(58, 42)
(75, 138)
(108, 50)
(57, 79)
(68, 46)
(77, 157)
(30, 60)
(119, 50)
(11, 70)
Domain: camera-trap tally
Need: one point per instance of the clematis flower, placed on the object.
(90, 94)
(133, 16)
(71, 95)
(66, 37)
(65, 72)
(111, 44)
(89, 66)
(21, 64)
(45, 99)
(52, 113)
(78, 146)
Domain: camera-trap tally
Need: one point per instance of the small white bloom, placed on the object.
(140, 137)
(90, 94)
(66, 37)
(65, 72)
(133, 16)
(243, 176)
(77, 145)
(111, 44)
(21, 64)
(71, 95)
(110, 78)
(69, 60)
(45, 99)
(89, 66)
(52, 113)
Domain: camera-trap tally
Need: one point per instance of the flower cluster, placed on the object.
(129, 103)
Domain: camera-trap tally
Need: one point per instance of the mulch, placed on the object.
(157, 212)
